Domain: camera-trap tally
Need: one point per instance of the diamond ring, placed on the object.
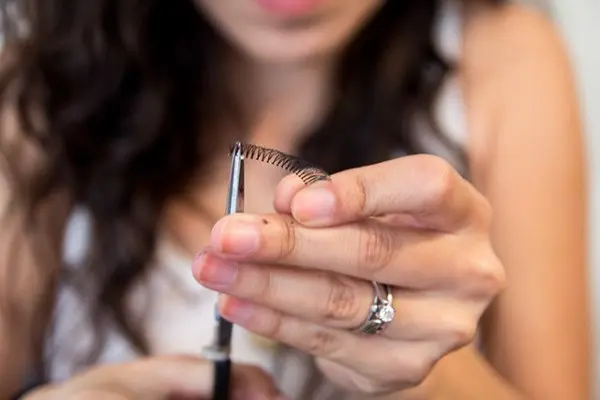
(381, 311)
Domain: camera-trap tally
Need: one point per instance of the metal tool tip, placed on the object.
(236, 149)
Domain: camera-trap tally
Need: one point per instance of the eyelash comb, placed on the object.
(220, 350)
(309, 173)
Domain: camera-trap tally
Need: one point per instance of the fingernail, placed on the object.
(237, 311)
(214, 272)
(314, 204)
(198, 263)
(238, 235)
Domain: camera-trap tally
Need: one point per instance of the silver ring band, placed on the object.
(381, 312)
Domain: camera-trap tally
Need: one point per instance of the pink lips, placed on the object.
(289, 7)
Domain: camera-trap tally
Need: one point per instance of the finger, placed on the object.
(368, 250)
(194, 377)
(329, 299)
(285, 192)
(167, 376)
(419, 316)
(154, 378)
(372, 357)
(247, 381)
(341, 302)
(173, 375)
(425, 187)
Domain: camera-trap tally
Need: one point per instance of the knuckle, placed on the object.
(439, 179)
(273, 326)
(491, 276)
(485, 272)
(376, 247)
(407, 370)
(288, 237)
(494, 279)
(342, 301)
(360, 196)
(417, 370)
(263, 288)
(462, 332)
(323, 342)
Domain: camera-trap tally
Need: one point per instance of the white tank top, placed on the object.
(180, 312)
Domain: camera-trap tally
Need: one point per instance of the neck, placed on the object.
(282, 103)
(279, 105)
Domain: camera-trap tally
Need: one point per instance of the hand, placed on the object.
(157, 378)
(302, 276)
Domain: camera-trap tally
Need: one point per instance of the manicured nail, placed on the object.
(214, 272)
(238, 235)
(198, 263)
(314, 204)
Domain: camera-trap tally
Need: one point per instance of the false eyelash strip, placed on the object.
(309, 173)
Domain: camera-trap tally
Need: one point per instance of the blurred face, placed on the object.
(288, 30)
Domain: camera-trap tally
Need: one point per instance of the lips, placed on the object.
(290, 7)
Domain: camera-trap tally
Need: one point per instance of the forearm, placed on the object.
(463, 375)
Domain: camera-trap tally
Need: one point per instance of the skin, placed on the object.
(439, 244)
(273, 38)
(166, 377)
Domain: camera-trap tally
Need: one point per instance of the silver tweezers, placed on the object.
(220, 350)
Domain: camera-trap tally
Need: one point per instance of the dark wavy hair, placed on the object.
(118, 100)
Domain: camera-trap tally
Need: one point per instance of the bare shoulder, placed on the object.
(498, 37)
(527, 153)
(516, 68)
(509, 45)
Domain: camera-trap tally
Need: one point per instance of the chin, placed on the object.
(293, 48)
(268, 38)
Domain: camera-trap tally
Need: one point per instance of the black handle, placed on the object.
(222, 377)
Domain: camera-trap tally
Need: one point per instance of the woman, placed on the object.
(116, 120)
